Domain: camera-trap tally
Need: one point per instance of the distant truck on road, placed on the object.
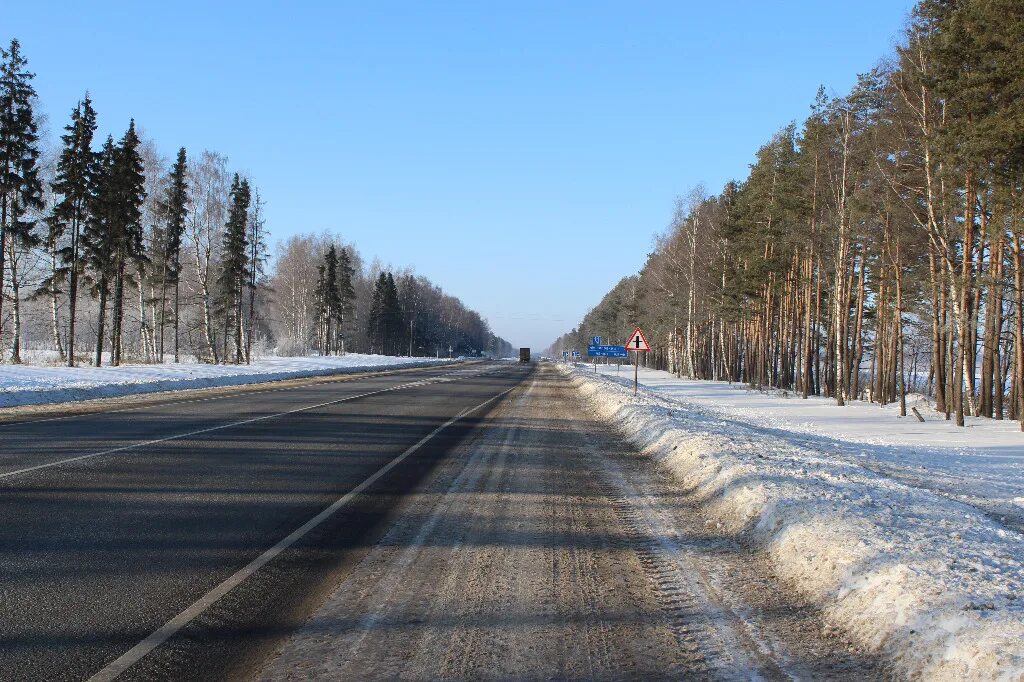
(524, 355)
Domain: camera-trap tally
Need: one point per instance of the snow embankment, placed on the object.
(982, 464)
(29, 385)
(931, 584)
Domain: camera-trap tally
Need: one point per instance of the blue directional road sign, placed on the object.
(576, 355)
(565, 354)
(596, 341)
(599, 351)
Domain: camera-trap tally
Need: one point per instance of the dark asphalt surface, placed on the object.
(97, 553)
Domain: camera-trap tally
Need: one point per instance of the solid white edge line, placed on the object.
(68, 460)
(113, 669)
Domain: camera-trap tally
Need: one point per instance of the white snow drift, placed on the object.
(931, 584)
(33, 385)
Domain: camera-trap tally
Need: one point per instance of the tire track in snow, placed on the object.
(719, 642)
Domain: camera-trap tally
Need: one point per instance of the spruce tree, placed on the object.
(331, 300)
(98, 237)
(128, 186)
(320, 312)
(234, 264)
(376, 320)
(73, 183)
(173, 209)
(346, 294)
(20, 186)
(392, 316)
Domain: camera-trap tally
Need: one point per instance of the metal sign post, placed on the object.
(638, 344)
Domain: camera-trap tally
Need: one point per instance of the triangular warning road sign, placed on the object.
(638, 342)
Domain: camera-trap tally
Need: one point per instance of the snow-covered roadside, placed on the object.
(929, 583)
(33, 385)
(982, 464)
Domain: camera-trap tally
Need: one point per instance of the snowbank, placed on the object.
(33, 385)
(929, 583)
(982, 464)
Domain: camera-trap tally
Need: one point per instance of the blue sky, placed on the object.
(521, 155)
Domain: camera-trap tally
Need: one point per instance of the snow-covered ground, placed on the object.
(930, 583)
(34, 385)
(981, 464)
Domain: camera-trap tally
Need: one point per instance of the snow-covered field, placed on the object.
(930, 583)
(34, 385)
(981, 464)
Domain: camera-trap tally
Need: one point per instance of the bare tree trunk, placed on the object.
(177, 300)
(252, 311)
(899, 333)
(938, 347)
(16, 300)
(207, 312)
(999, 383)
(239, 348)
(858, 338)
(117, 316)
(73, 290)
(808, 351)
(101, 319)
(877, 371)
(163, 309)
(55, 307)
(3, 256)
(990, 348)
(145, 335)
(1018, 332)
(966, 276)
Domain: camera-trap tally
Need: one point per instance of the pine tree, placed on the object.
(70, 215)
(20, 186)
(234, 264)
(173, 208)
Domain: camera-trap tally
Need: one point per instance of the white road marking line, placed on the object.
(113, 669)
(341, 377)
(68, 460)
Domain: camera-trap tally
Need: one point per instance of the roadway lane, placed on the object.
(546, 547)
(112, 524)
(41, 441)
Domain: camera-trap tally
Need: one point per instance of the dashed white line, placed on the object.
(179, 436)
(341, 377)
(113, 669)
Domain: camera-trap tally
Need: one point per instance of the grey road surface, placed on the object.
(545, 547)
(114, 524)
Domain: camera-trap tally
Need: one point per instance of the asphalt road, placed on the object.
(185, 539)
(545, 547)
